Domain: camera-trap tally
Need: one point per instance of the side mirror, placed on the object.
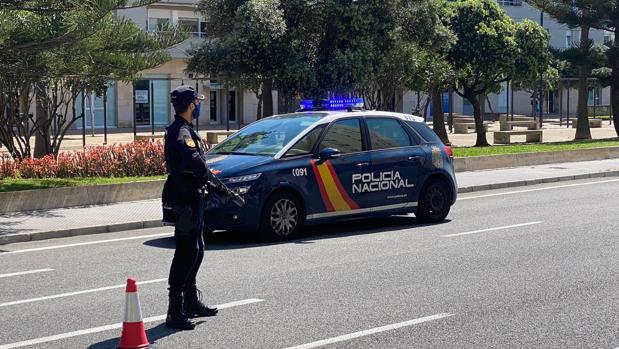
(328, 154)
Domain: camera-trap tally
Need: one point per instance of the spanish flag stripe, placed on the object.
(353, 205)
(321, 186)
(332, 191)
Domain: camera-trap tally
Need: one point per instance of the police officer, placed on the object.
(185, 192)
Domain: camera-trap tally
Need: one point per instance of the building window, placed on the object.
(190, 25)
(203, 26)
(572, 37)
(157, 24)
(510, 2)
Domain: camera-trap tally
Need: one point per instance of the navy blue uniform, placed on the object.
(187, 172)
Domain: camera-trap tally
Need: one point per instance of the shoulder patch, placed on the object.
(189, 141)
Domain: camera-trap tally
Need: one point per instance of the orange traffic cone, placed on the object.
(133, 335)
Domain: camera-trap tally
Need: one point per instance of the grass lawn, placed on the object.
(603, 117)
(27, 184)
(534, 148)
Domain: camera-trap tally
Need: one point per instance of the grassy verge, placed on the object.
(534, 148)
(45, 183)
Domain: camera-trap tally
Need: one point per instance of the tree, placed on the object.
(487, 52)
(583, 14)
(47, 51)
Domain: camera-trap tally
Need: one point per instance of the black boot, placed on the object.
(176, 318)
(193, 306)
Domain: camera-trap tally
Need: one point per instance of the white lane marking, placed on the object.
(26, 272)
(86, 243)
(111, 327)
(492, 229)
(368, 332)
(69, 294)
(536, 189)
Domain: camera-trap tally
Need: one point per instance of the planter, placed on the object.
(476, 163)
(46, 199)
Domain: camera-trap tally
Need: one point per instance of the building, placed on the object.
(131, 103)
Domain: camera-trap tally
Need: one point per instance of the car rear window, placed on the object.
(425, 132)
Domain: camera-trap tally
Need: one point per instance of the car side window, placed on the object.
(387, 133)
(344, 135)
(305, 144)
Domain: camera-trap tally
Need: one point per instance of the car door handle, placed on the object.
(414, 158)
(362, 164)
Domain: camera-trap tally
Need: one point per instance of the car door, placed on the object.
(334, 177)
(396, 165)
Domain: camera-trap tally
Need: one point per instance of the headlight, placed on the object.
(241, 190)
(247, 178)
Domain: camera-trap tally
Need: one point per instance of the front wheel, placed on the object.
(434, 202)
(283, 217)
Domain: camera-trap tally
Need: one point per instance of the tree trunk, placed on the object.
(41, 138)
(438, 118)
(267, 97)
(582, 125)
(479, 122)
(614, 86)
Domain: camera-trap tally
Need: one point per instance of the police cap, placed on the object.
(184, 94)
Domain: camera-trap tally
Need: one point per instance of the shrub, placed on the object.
(141, 158)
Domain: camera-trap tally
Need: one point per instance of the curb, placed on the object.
(63, 233)
(111, 228)
(537, 181)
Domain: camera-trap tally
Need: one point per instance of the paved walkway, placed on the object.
(26, 226)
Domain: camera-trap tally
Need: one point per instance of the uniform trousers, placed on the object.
(189, 246)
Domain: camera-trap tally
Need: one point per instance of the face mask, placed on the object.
(196, 110)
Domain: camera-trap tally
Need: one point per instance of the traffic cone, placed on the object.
(133, 335)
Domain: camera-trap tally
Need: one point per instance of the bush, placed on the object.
(141, 158)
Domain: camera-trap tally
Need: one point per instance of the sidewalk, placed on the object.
(39, 225)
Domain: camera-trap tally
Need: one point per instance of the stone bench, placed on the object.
(504, 137)
(508, 125)
(593, 123)
(463, 128)
(215, 137)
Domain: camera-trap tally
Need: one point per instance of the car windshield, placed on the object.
(266, 137)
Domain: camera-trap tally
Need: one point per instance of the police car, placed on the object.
(323, 164)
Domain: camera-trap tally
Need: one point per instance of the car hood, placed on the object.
(225, 166)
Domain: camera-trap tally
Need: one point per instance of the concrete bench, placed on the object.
(215, 137)
(504, 137)
(148, 138)
(593, 123)
(509, 125)
(462, 128)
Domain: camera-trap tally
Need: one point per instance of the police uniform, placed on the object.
(185, 194)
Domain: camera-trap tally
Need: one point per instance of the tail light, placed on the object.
(449, 151)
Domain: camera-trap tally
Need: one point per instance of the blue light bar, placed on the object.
(332, 104)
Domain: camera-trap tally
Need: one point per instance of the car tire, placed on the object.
(434, 202)
(283, 217)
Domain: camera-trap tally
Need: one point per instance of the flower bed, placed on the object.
(127, 160)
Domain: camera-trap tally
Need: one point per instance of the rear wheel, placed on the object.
(283, 217)
(434, 201)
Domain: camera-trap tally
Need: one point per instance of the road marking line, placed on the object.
(69, 294)
(368, 332)
(87, 243)
(492, 229)
(111, 327)
(25, 272)
(536, 189)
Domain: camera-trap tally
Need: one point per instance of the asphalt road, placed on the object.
(534, 267)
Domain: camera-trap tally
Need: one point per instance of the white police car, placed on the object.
(316, 166)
